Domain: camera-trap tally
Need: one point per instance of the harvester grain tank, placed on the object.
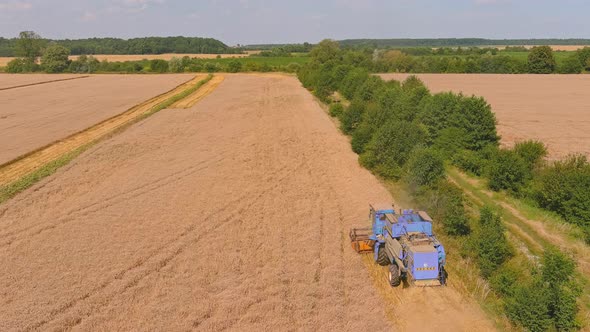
(405, 243)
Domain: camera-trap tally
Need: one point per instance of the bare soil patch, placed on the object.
(233, 214)
(550, 108)
(35, 116)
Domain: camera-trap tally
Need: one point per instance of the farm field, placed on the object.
(34, 116)
(232, 214)
(550, 108)
(136, 57)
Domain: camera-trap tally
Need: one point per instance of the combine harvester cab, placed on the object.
(405, 243)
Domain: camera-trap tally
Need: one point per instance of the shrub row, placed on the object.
(89, 64)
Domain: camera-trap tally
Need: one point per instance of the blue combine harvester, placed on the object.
(405, 243)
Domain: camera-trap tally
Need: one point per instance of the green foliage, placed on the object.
(472, 121)
(571, 65)
(158, 66)
(504, 280)
(352, 116)
(557, 267)
(541, 60)
(492, 247)
(55, 59)
(469, 161)
(353, 81)
(21, 65)
(29, 45)
(336, 110)
(562, 187)
(529, 307)
(454, 217)
(477, 120)
(234, 66)
(361, 137)
(390, 147)
(84, 64)
(549, 300)
(584, 56)
(425, 167)
(325, 51)
(507, 171)
(532, 152)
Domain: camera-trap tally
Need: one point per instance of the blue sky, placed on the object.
(263, 21)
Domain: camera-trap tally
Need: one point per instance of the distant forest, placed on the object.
(440, 42)
(449, 42)
(148, 45)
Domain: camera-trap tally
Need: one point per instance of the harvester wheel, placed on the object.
(394, 275)
(382, 258)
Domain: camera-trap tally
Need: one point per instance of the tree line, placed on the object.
(35, 54)
(403, 132)
(148, 45)
(540, 60)
(454, 42)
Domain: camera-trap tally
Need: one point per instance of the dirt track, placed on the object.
(550, 108)
(35, 116)
(230, 215)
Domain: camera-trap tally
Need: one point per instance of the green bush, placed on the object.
(492, 247)
(21, 65)
(390, 147)
(158, 66)
(454, 217)
(469, 161)
(550, 299)
(476, 118)
(352, 82)
(505, 280)
(529, 307)
(361, 137)
(84, 64)
(562, 187)
(532, 152)
(234, 66)
(336, 110)
(55, 59)
(571, 65)
(352, 116)
(541, 60)
(436, 111)
(425, 167)
(507, 171)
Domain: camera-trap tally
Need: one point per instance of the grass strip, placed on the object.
(10, 190)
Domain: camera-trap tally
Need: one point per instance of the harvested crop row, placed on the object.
(201, 93)
(14, 170)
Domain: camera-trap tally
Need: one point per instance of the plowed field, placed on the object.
(34, 116)
(232, 214)
(551, 108)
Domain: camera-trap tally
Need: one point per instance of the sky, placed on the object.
(296, 21)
